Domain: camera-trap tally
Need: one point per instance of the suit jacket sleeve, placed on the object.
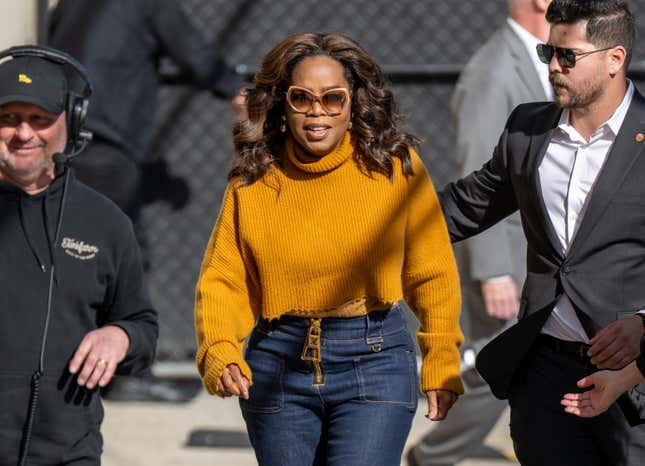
(483, 198)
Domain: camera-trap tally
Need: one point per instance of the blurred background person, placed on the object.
(329, 220)
(122, 43)
(502, 74)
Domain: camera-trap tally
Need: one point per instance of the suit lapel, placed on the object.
(537, 148)
(620, 159)
(540, 139)
(523, 64)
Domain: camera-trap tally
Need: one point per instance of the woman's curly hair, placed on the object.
(375, 132)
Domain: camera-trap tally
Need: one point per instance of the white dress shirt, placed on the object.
(531, 42)
(568, 174)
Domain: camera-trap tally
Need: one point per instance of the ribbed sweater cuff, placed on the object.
(217, 358)
(440, 369)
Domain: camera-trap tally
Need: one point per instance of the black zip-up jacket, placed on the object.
(121, 43)
(98, 281)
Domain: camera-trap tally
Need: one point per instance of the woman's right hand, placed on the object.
(232, 382)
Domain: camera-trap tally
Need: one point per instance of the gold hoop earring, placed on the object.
(283, 126)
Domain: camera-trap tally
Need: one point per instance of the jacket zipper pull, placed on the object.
(43, 268)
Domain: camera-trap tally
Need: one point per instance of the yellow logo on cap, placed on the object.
(23, 78)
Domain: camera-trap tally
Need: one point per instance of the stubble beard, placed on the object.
(585, 94)
(24, 175)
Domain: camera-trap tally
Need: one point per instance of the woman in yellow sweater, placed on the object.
(329, 220)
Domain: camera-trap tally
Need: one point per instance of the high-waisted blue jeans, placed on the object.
(362, 412)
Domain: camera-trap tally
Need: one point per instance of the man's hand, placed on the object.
(439, 402)
(500, 298)
(98, 355)
(232, 382)
(617, 344)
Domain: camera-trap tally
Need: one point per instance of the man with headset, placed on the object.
(73, 308)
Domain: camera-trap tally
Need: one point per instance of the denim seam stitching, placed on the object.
(269, 409)
(359, 377)
(410, 403)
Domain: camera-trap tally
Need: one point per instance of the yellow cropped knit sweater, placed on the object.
(319, 236)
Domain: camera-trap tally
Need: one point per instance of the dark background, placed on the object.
(421, 44)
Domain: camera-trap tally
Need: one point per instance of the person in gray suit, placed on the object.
(501, 75)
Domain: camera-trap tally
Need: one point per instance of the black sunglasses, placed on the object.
(566, 57)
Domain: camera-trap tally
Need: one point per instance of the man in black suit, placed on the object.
(573, 170)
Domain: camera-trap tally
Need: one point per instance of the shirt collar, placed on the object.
(530, 43)
(529, 40)
(614, 122)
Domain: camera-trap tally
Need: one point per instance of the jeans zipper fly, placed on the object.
(311, 350)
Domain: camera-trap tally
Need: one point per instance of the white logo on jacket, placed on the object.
(79, 249)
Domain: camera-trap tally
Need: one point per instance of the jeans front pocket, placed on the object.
(388, 376)
(266, 393)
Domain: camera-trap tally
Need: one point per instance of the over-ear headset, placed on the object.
(79, 89)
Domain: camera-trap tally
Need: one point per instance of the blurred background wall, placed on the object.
(420, 44)
(19, 25)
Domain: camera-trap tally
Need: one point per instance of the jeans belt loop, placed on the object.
(374, 331)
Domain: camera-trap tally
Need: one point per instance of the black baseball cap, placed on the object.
(34, 80)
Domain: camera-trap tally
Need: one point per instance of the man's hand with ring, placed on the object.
(98, 356)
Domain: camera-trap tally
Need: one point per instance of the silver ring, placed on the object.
(102, 361)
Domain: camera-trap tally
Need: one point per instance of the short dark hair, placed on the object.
(610, 22)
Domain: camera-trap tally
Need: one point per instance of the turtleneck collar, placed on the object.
(325, 163)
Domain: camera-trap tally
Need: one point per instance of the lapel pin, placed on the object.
(640, 137)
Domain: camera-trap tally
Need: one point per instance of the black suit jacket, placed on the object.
(604, 271)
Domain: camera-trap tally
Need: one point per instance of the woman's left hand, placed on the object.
(439, 402)
(233, 383)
